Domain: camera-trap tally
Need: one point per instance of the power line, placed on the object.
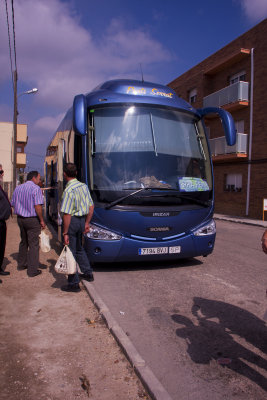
(14, 36)
(10, 54)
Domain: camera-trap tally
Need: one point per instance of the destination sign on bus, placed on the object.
(140, 91)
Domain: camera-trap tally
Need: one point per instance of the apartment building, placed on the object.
(235, 79)
(6, 152)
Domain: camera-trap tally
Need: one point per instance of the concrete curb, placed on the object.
(148, 379)
(244, 221)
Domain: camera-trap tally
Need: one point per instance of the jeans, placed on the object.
(75, 231)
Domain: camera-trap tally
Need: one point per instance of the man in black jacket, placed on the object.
(5, 211)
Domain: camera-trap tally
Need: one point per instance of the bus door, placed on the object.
(80, 157)
(60, 188)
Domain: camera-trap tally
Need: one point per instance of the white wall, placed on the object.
(6, 133)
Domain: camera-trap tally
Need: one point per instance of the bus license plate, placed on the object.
(153, 250)
(175, 249)
(159, 250)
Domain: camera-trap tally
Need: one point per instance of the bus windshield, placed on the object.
(138, 146)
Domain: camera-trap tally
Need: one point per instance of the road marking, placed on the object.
(222, 281)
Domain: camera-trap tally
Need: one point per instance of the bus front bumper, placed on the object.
(129, 249)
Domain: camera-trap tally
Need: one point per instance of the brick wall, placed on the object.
(234, 203)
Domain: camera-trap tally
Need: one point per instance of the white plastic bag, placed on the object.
(66, 263)
(44, 242)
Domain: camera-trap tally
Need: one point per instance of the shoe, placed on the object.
(22, 268)
(2, 272)
(71, 288)
(87, 277)
(38, 272)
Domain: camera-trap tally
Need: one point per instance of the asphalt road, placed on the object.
(198, 323)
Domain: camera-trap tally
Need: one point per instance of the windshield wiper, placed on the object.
(120, 199)
(179, 195)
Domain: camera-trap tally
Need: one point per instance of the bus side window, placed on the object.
(78, 155)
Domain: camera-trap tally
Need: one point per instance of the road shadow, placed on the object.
(137, 265)
(14, 256)
(60, 279)
(211, 338)
(50, 263)
(6, 262)
(56, 245)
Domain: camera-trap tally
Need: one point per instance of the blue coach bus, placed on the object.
(145, 157)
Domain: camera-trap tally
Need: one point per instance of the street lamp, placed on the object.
(15, 117)
(34, 90)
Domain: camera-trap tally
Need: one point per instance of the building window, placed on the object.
(50, 152)
(193, 96)
(240, 76)
(233, 182)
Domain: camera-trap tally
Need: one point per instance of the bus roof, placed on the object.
(134, 91)
(127, 91)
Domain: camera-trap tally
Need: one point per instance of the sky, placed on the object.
(68, 47)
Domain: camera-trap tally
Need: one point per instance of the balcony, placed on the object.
(231, 98)
(221, 151)
(225, 63)
(21, 160)
(22, 133)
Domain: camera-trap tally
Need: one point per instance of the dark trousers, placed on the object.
(30, 230)
(2, 241)
(75, 231)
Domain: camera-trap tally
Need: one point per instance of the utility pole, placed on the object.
(15, 117)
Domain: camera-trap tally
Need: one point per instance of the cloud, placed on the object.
(255, 10)
(48, 123)
(56, 54)
(60, 57)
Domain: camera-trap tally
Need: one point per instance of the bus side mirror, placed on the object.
(227, 122)
(80, 114)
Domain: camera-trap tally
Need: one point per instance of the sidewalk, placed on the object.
(241, 220)
(55, 345)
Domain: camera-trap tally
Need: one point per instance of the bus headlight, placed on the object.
(98, 233)
(209, 229)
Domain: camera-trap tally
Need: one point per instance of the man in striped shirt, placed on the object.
(27, 202)
(77, 208)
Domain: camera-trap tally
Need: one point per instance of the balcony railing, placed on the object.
(231, 94)
(219, 146)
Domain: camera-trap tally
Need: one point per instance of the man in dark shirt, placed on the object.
(5, 211)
